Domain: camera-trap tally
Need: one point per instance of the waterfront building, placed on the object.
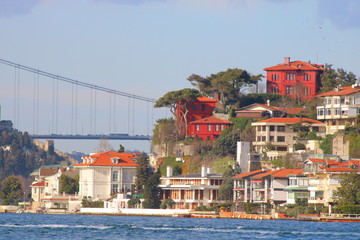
(324, 177)
(278, 136)
(104, 174)
(297, 188)
(262, 186)
(260, 111)
(297, 79)
(190, 191)
(339, 107)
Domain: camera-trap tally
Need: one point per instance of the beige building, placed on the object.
(102, 175)
(191, 190)
(277, 136)
(324, 177)
(339, 107)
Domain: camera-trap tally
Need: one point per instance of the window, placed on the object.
(281, 149)
(193, 107)
(337, 111)
(263, 138)
(258, 138)
(315, 129)
(307, 77)
(274, 90)
(328, 111)
(263, 128)
(197, 128)
(271, 138)
(115, 176)
(217, 127)
(209, 127)
(203, 107)
(272, 128)
(328, 101)
(114, 188)
(306, 91)
(222, 127)
(290, 76)
(336, 100)
(281, 138)
(259, 128)
(281, 128)
(320, 112)
(274, 77)
(293, 182)
(288, 90)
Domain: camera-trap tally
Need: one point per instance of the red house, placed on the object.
(208, 128)
(199, 109)
(298, 79)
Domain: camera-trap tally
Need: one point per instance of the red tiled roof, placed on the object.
(296, 65)
(38, 184)
(292, 110)
(289, 120)
(241, 175)
(105, 159)
(264, 174)
(344, 91)
(211, 119)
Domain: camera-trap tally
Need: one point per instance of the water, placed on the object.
(38, 226)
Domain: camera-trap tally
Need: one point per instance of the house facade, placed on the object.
(296, 79)
(277, 136)
(208, 128)
(262, 186)
(202, 108)
(261, 111)
(191, 190)
(339, 107)
(324, 177)
(102, 175)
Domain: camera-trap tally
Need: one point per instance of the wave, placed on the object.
(52, 226)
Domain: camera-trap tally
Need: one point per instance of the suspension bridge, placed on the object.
(51, 106)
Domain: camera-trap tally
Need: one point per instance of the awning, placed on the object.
(257, 180)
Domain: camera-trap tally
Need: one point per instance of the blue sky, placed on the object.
(150, 47)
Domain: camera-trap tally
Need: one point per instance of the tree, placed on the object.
(167, 203)
(227, 185)
(121, 149)
(349, 191)
(226, 84)
(11, 191)
(331, 78)
(104, 146)
(69, 185)
(152, 191)
(227, 142)
(179, 101)
(143, 172)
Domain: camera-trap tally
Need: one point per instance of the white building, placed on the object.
(102, 175)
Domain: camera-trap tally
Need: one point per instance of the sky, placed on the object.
(150, 47)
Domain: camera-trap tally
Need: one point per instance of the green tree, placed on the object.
(326, 144)
(349, 191)
(167, 203)
(227, 185)
(332, 78)
(132, 203)
(143, 172)
(227, 142)
(69, 185)
(152, 190)
(121, 149)
(11, 191)
(226, 84)
(182, 98)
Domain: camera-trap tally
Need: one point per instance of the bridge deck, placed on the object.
(91, 136)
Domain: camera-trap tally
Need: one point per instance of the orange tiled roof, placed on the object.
(264, 174)
(211, 119)
(206, 99)
(105, 159)
(296, 65)
(344, 91)
(289, 120)
(241, 175)
(286, 172)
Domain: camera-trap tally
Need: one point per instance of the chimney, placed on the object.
(203, 171)
(169, 171)
(287, 60)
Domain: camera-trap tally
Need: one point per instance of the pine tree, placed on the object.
(152, 192)
(143, 172)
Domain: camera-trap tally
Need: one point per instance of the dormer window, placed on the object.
(115, 160)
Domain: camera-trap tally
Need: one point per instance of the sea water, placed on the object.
(46, 226)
